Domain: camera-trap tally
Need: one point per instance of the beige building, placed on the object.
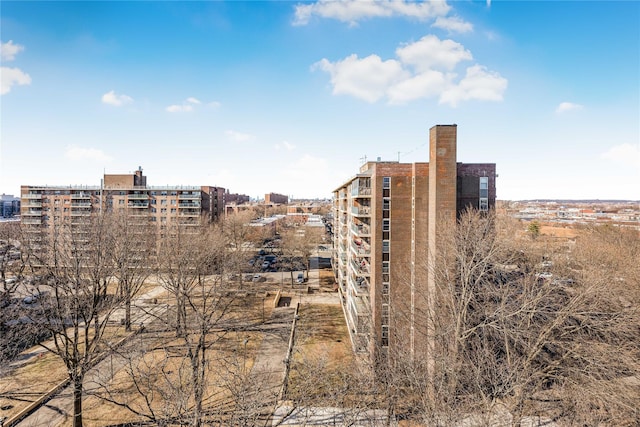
(385, 230)
(184, 205)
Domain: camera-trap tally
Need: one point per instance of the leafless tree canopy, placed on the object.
(535, 327)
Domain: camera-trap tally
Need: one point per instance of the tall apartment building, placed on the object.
(184, 205)
(386, 226)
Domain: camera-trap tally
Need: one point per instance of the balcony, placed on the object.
(359, 284)
(81, 204)
(138, 196)
(361, 267)
(31, 221)
(138, 205)
(189, 196)
(191, 213)
(32, 213)
(361, 192)
(80, 196)
(360, 247)
(189, 205)
(33, 204)
(32, 196)
(364, 211)
(361, 230)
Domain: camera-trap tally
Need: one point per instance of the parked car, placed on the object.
(300, 278)
(266, 265)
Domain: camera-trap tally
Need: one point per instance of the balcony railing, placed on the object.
(75, 196)
(138, 205)
(33, 204)
(189, 196)
(361, 192)
(32, 213)
(360, 247)
(31, 221)
(32, 196)
(361, 211)
(360, 284)
(361, 230)
(361, 266)
(188, 205)
(81, 204)
(138, 196)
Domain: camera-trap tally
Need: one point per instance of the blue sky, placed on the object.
(290, 97)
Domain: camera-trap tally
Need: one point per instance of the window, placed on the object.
(483, 204)
(163, 210)
(173, 202)
(386, 202)
(385, 310)
(163, 201)
(386, 224)
(385, 288)
(386, 182)
(385, 246)
(173, 210)
(385, 266)
(121, 202)
(153, 210)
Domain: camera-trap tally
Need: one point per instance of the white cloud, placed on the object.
(453, 24)
(431, 52)
(424, 69)
(215, 104)
(188, 105)
(8, 50)
(184, 108)
(352, 11)
(78, 153)
(478, 83)
(563, 107)
(627, 154)
(367, 78)
(425, 85)
(111, 98)
(239, 136)
(286, 145)
(11, 77)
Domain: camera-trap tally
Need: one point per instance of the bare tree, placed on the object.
(237, 234)
(522, 325)
(73, 307)
(13, 263)
(132, 255)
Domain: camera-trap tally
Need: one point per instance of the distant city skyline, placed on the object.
(291, 97)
